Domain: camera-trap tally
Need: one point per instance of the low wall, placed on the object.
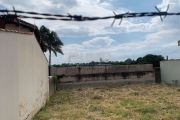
(101, 83)
(170, 72)
(102, 73)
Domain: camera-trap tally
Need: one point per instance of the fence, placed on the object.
(69, 17)
(102, 73)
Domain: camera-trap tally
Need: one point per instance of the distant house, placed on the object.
(24, 82)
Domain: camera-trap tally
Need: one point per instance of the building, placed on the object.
(11, 23)
(24, 82)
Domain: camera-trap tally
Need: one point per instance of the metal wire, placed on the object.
(70, 17)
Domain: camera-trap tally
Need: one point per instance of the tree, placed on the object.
(133, 62)
(150, 59)
(140, 60)
(51, 42)
(128, 61)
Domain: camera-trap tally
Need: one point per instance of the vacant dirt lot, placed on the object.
(135, 102)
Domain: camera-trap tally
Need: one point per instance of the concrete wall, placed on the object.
(101, 73)
(9, 86)
(100, 69)
(24, 82)
(33, 76)
(170, 72)
(51, 87)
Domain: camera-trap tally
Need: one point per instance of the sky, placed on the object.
(91, 40)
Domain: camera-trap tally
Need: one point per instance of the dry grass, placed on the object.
(133, 102)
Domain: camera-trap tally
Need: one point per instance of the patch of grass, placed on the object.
(147, 109)
(93, 108)
(147, 117)
(128, 102)
(135, 102)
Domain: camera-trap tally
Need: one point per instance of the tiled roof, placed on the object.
(15, 31)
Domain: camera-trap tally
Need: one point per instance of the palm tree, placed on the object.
(51, 42)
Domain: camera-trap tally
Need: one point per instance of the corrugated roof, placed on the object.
(15, 31)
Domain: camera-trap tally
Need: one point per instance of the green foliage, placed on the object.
(147, 59)
(121, 63)
(51, 40)
(128, 61)
(55, 78)
(60, 76)
(150, 59)
(56, 65)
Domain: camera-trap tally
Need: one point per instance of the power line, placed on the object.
(70, 17)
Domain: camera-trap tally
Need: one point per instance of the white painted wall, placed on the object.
(170, 70)
(33, 76)
(24, 83)
(9, 77)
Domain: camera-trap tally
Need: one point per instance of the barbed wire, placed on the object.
(70, 17)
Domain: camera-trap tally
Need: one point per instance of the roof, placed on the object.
(12, 19)
(14, 31)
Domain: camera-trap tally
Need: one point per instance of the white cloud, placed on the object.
(165, 3)
(73, 48)
(52, 6)
(160, 37)
(85, 8)
(162, 42)
(99, 42)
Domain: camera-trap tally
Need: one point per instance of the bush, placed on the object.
(55, 78)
